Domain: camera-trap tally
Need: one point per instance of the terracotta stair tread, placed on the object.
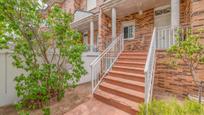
(125, 81)
(129, 74)
(111, 97)
(134, 57)
(130, 62)
(123, 90)
(134, 52)
(124, 85)
(126, 67)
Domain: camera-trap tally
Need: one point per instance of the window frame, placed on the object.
(127, 24)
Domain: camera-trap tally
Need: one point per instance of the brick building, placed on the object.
(122, 79)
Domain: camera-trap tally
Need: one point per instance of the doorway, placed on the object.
(162, 16)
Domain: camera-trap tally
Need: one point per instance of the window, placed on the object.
(129, 30)
(162, 11)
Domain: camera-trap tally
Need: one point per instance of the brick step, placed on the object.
(126, 75)
(133, 56)
(135, 85)
(117, 101)
(128, 69)
(128, 58)
(133, 53)
(130, 64)
(123, 92)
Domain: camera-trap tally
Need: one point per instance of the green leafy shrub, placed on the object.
(45, 47)
(191, 51)
(173, 107)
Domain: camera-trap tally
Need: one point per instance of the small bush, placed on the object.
(173, 107)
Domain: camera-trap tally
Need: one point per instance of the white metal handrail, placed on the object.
(103, 63)
(162, 38)
(149, 68)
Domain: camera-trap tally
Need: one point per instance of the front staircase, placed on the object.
(123, 86)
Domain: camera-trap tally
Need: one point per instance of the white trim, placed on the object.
(113, 23)
(129, 23)
(106, 6)
(92, 35)
(162, 7)
(79, 15)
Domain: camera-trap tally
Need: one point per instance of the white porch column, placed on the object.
(91, 35)
(113, 23)
(175, 13)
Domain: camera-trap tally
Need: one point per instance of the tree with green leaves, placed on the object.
(191, 51)
(44, 46)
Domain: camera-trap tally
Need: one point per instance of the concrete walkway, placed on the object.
(95, 107)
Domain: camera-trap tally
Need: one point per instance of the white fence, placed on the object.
(8, 73)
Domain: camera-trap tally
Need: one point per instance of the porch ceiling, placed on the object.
(126, 7)
(84, 26)
(82, 21)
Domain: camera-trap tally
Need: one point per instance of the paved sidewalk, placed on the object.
(95, 107)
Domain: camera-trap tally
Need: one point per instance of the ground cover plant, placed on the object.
(172, 107)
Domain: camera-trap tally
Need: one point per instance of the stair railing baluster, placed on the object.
(105, 61)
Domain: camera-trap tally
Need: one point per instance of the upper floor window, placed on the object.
(91, 4)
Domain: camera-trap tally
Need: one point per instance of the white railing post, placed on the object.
(92, 80)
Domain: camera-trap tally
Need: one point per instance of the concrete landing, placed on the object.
(95, 107)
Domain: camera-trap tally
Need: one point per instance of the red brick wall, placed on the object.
(185, 12)
(95, 37)
(197, 16)
(69, 6)
(178, 81)
(174, 80)
(144, 25)
(105, 31)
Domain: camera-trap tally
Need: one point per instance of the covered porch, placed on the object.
(136, 20)
(87, 23)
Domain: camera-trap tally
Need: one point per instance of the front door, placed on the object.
(162, 21)
(162, 16)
